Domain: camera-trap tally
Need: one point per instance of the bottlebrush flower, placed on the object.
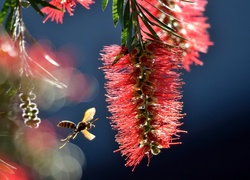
(187, 20)
(144, 99)
(64, 5)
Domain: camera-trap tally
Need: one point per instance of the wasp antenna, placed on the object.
(74, 135)
(94, 120)
(68, 137)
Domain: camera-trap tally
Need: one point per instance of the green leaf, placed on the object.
(151, 30)
(154, 18)
(120, 4)
(118, 57)
(9, 25)
(152, 38)
(46, 4)
(104, 4)
(188, 1)
(126, 14)
(158, 23)
(34, 5)
(127, 21)
(4, 11)
(130, 33)
(115, 12)
(124, 36)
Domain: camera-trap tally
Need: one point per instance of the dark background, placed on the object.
(216, 97)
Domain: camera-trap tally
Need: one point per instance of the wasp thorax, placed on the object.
(84, 125)
(81, 126)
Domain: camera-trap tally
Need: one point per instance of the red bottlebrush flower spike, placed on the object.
(64, 5)
(187, 20)
(144, 97)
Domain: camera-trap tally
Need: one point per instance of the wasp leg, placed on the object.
(74, 135)
(67, 139)
(63, 144)
(69, 136)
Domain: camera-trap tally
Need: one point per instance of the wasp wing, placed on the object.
(89, 115)
(88, 135)
(66, 124)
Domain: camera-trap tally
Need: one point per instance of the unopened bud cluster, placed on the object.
(29, 109)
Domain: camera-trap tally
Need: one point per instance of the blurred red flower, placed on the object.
(144, 99)
(9, 54)
(10, 172)
(63, 5)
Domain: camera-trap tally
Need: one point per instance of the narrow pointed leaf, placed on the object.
(127, 35)
(34, 5)
(118, 57)
(9, 24)
(46, 4)
(151, 30)
(120, 11)
(158, 23)
(126, 14)
(124, 36)
(4, 11)
(126, 24)
(104, 4)
(154, 18)
(130, 34)
(188, 1)
(152, 38)
(115, 12)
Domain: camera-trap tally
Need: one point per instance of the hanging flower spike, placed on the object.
(144, 99)
(64, 5)
(187, 20)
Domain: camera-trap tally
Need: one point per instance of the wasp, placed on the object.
(83, 126)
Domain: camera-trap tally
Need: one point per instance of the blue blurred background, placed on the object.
(216, 97)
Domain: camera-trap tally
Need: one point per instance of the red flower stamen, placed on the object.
(64, 5)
